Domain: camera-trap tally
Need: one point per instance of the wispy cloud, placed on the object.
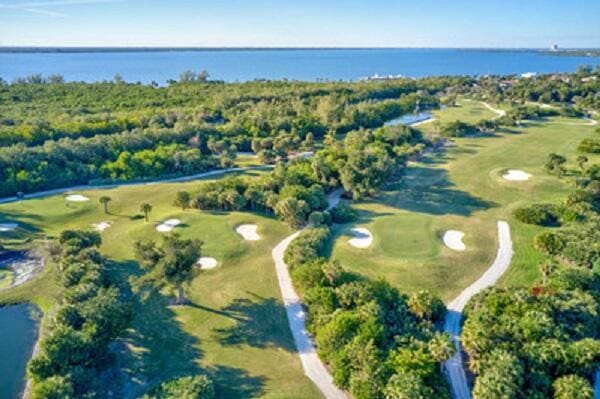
(41, 7)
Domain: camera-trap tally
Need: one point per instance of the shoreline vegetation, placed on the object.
(379, 340)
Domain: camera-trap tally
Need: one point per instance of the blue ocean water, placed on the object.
(295, 64)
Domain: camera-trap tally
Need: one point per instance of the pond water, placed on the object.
(409, 119)
(18, 334)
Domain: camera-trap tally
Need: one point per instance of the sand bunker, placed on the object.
(101, 226)
(248, 232)
(362, 238)
(8, 226)
(516, 175)
(453, 240)
(207, 263)
(167, 225)
(76, 198)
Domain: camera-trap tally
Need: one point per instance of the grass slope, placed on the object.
(235, 329)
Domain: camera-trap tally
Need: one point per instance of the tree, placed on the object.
(555, 164)
(425, 305)
(407, 385)
(441, 347)
(189, 387)
(182, 199)
(146, 209)
(292, 211)
(104, 200)
(572, 387)
(171, 265)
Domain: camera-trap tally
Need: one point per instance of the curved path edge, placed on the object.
(314, 369)
(453, 367)
(179, 179)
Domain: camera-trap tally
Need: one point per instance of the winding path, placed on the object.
(314, 369)
(181, 179)
(499, 112)
(452, 325)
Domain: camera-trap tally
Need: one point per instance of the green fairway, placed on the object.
(462, 189)
(235, 328)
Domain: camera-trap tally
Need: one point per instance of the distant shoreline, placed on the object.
(591, 52)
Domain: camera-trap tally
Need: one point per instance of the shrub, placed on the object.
(458, 129)
(572, 387)
(540, 214)
(343, 213)
(590, 146)
(189, 387)
(549, 243)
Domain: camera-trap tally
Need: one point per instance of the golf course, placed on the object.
(434, 226)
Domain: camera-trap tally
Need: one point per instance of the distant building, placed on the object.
(528, 75)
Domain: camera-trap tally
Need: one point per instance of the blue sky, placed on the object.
(386, 23)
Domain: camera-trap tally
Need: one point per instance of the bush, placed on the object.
(343, 213)
(549, 243)
(540, 214)
(458, 129)
(590, 146)
(572, 387)
(189, 387)
(308, 246)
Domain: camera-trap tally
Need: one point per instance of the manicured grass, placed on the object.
(466, 110)
(462, 189)
(235, 327)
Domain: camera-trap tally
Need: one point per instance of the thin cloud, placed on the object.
(37, 7)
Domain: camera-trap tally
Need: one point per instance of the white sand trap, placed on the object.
(207, 263)
(77, 198)
(101, 226)
(167, 225)
(248, 232)
(453, 240)
(516, 175)
(362, 238)
(8, 226)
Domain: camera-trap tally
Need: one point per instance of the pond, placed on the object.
(409, 119)
(18, 334)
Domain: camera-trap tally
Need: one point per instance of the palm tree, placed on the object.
(146, 208)
(104, 200)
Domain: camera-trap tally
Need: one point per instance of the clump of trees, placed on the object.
(540, 214)
(171, 265)
(377, 341)
(75, 348)
(188, 387)
(589, 145)
(538, 342)
(460, 129)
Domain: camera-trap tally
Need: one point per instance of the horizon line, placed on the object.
(78, 48)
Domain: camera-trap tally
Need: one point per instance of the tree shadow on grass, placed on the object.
(260, 322)
(157, 347)
(428, 190)
(233, 382)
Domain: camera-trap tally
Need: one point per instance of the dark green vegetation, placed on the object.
(60, 134)
(378, 342)
(359, 164)
(74, 358)
(197, 387)
(544, 341)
